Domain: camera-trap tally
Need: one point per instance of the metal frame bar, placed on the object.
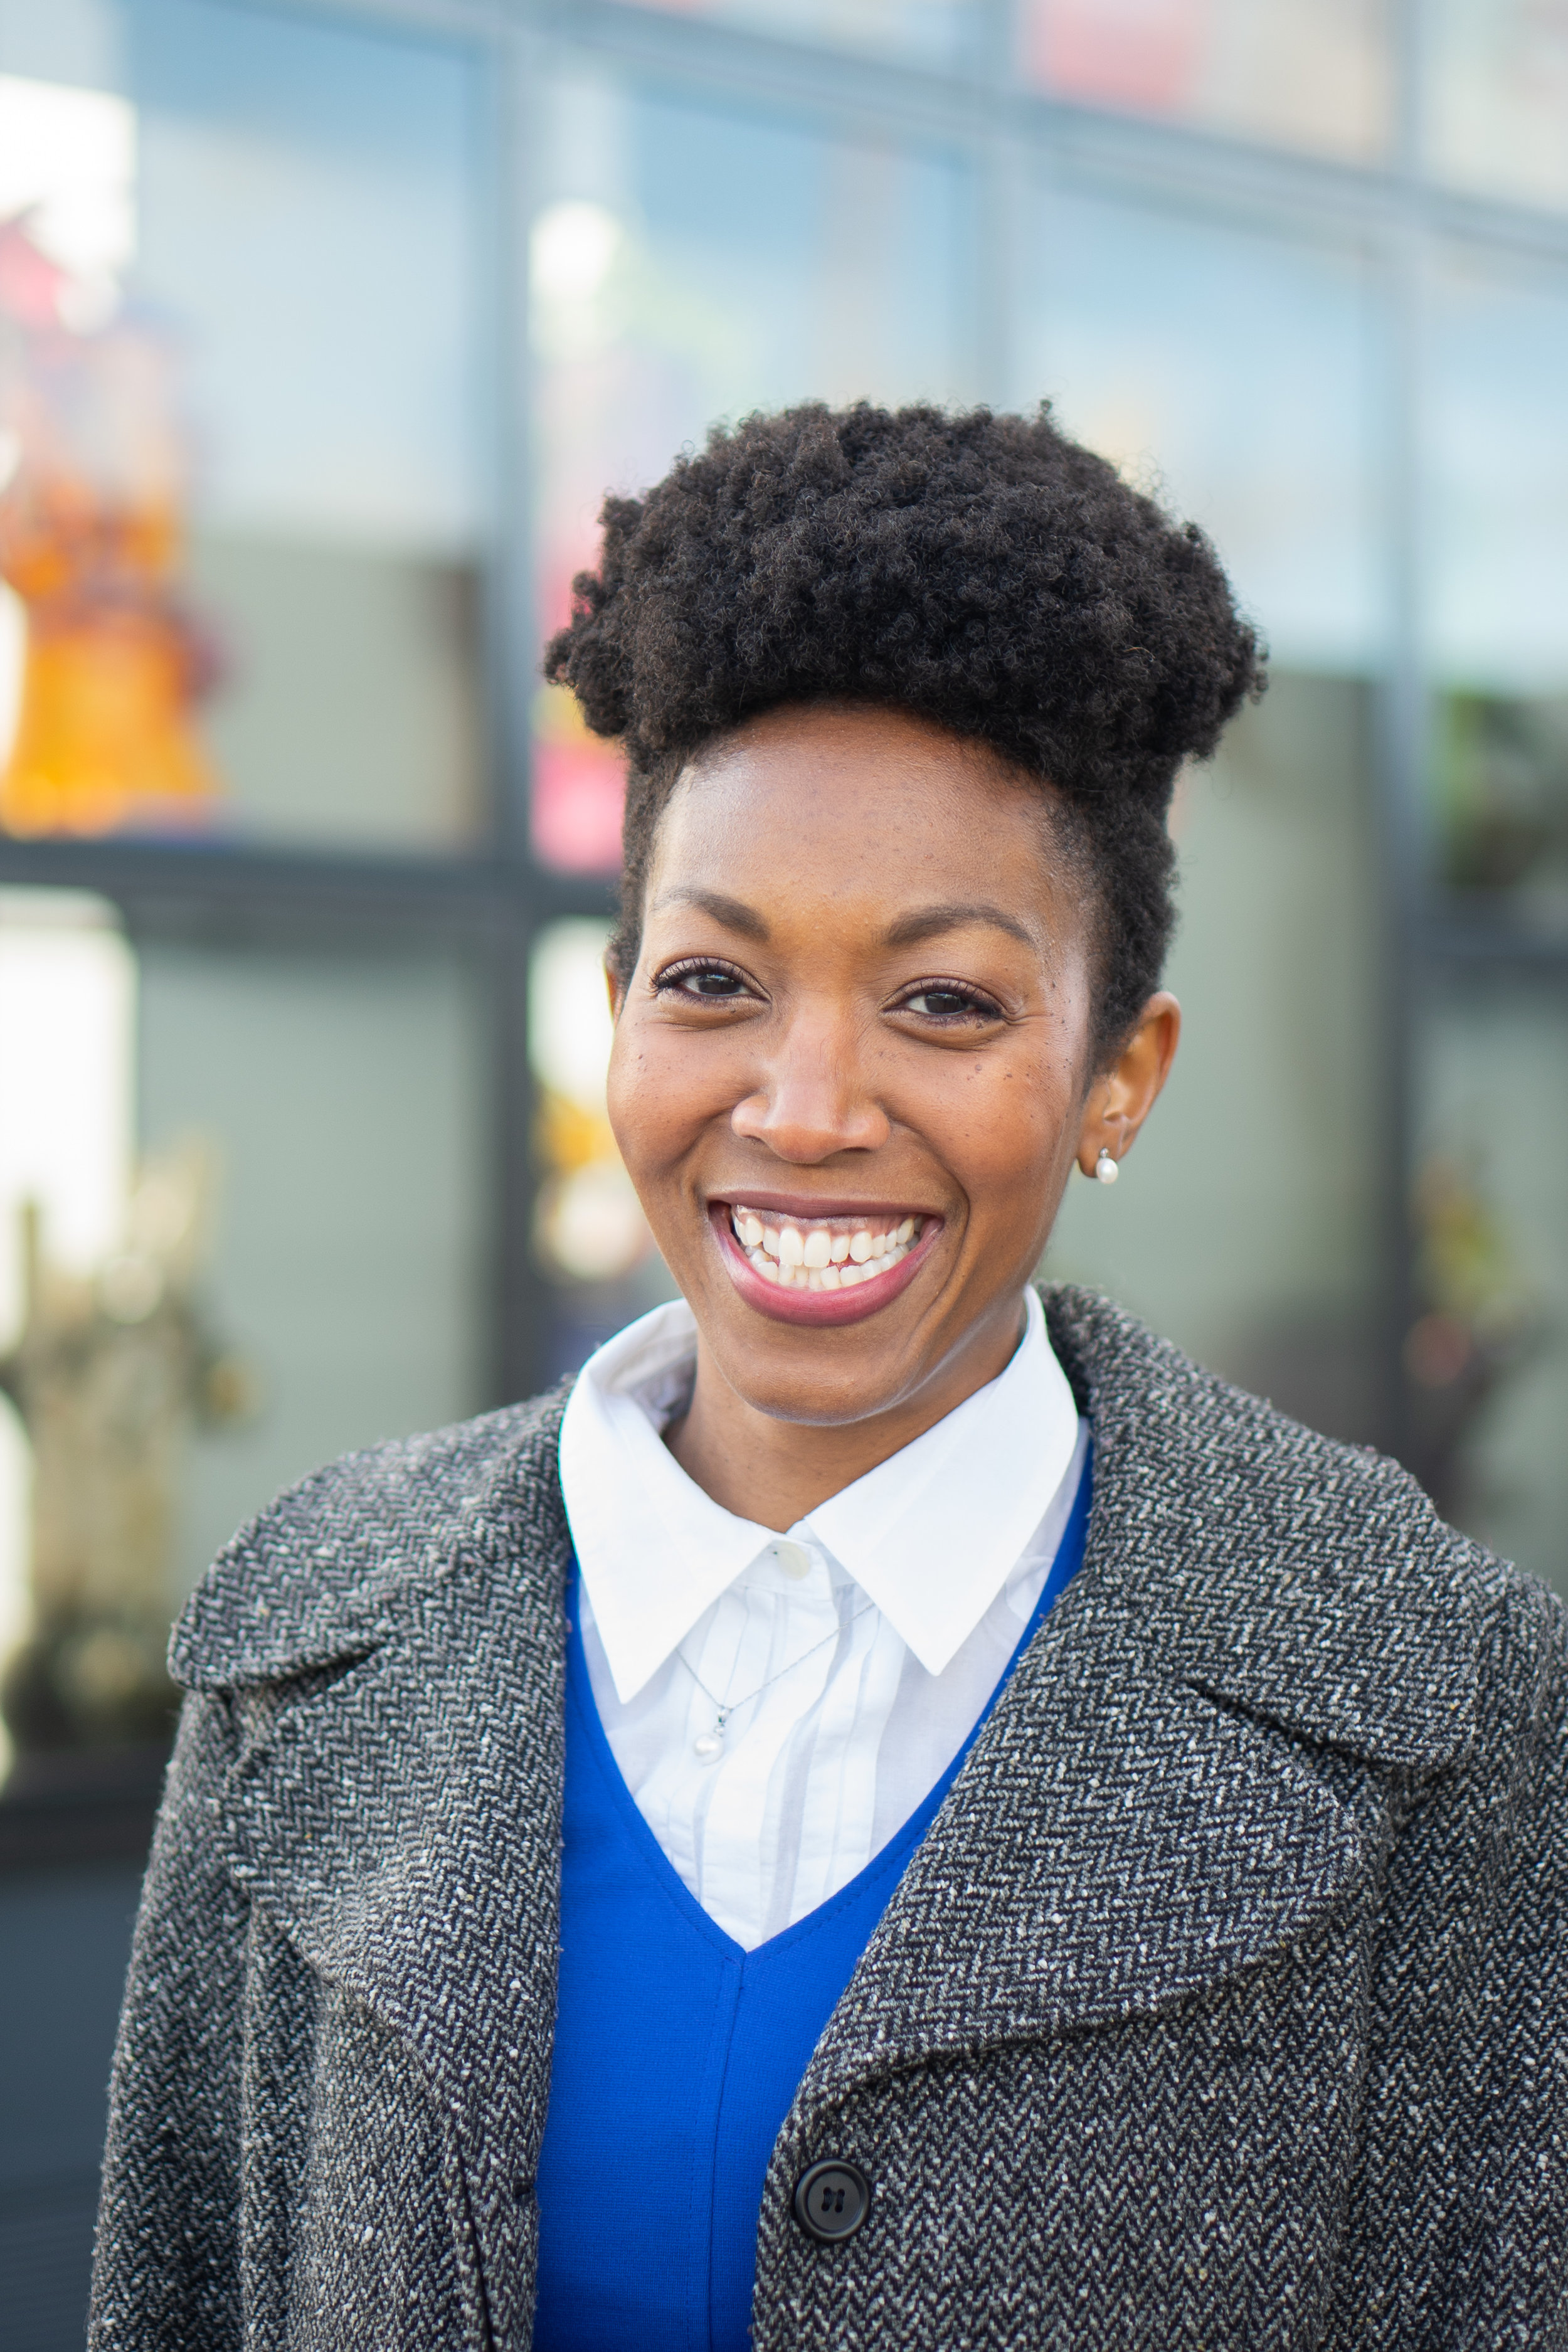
(261, 884)
(522, 1292)
(1399, 762)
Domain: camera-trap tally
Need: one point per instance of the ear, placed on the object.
(617, 995)
(1121, 1097)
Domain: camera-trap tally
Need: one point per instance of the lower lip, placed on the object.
(817, 1307)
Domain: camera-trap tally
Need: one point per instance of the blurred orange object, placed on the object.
(104, 735)
(90, 541)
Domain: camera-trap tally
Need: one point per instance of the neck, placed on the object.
(776, 1472)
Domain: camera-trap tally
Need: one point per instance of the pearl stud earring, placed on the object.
(1106, 1169)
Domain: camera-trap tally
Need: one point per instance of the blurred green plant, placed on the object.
(1502, 769)
(1481, 1323)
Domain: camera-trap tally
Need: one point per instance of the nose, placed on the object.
(813, 1097)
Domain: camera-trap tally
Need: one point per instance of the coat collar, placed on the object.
(1150, 1809)
(331, 1570)
(1310, 1583)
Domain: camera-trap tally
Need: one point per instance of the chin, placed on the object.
(810, 1400)
(822, 1376)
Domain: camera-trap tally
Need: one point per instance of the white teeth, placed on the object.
(821, 1256)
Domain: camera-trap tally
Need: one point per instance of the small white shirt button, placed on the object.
(794, 1558)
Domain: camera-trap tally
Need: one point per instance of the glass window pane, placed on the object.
(1246, 1225)
(1497, 96)
(343, 1096)
(1495, 579)
(1305, 73)
(262, 1240)
(1238, 375)
(930, 32)
(238, 363)
(67, 1015)
(1488, 1359)
(689, 265)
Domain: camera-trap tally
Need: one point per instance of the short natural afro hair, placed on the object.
(981, 572)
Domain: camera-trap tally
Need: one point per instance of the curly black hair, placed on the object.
(982, 571)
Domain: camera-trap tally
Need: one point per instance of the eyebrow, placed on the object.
(926, 922)
(923, 923)
(733, 913)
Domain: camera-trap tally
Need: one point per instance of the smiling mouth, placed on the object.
(824, 1254)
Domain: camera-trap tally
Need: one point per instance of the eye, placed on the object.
(939, 1001)
(709, 983)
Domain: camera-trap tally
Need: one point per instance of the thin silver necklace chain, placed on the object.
(709, 1745)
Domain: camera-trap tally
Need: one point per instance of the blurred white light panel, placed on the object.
(69, 157)
(569, 1025)
(67, 1010)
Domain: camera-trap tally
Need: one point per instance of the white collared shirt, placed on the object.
(856, 1651)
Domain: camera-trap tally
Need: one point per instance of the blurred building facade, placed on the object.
(323, 330)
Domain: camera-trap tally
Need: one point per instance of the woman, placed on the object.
(886, 1815)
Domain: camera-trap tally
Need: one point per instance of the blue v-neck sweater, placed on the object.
(677, 2053)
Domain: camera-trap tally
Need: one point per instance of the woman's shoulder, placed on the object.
(1311, 1581)
(323, 1567)
(1194, 1434)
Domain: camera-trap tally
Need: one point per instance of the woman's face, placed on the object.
(852, 1069)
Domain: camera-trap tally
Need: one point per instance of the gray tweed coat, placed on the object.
(1223, 2005)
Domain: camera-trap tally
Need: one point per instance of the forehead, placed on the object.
(856, 790)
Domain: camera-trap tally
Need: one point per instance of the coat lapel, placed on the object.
(1115, 1843)
(401, 1821)
(1147, 1813)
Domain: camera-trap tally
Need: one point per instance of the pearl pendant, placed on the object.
(708, 1745)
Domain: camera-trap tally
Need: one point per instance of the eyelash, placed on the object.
(976, 1006)
(667, 982)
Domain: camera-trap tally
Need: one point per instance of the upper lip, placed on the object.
(793, 1204)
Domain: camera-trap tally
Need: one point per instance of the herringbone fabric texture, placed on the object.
(1223, 2005)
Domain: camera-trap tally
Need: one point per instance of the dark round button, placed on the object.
(831, 2199)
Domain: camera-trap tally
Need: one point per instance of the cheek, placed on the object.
(1008, 1126)
(1010, 1112)
(629, 1100)
(657, 1092)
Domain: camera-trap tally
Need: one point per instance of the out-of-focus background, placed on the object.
(322, 332)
